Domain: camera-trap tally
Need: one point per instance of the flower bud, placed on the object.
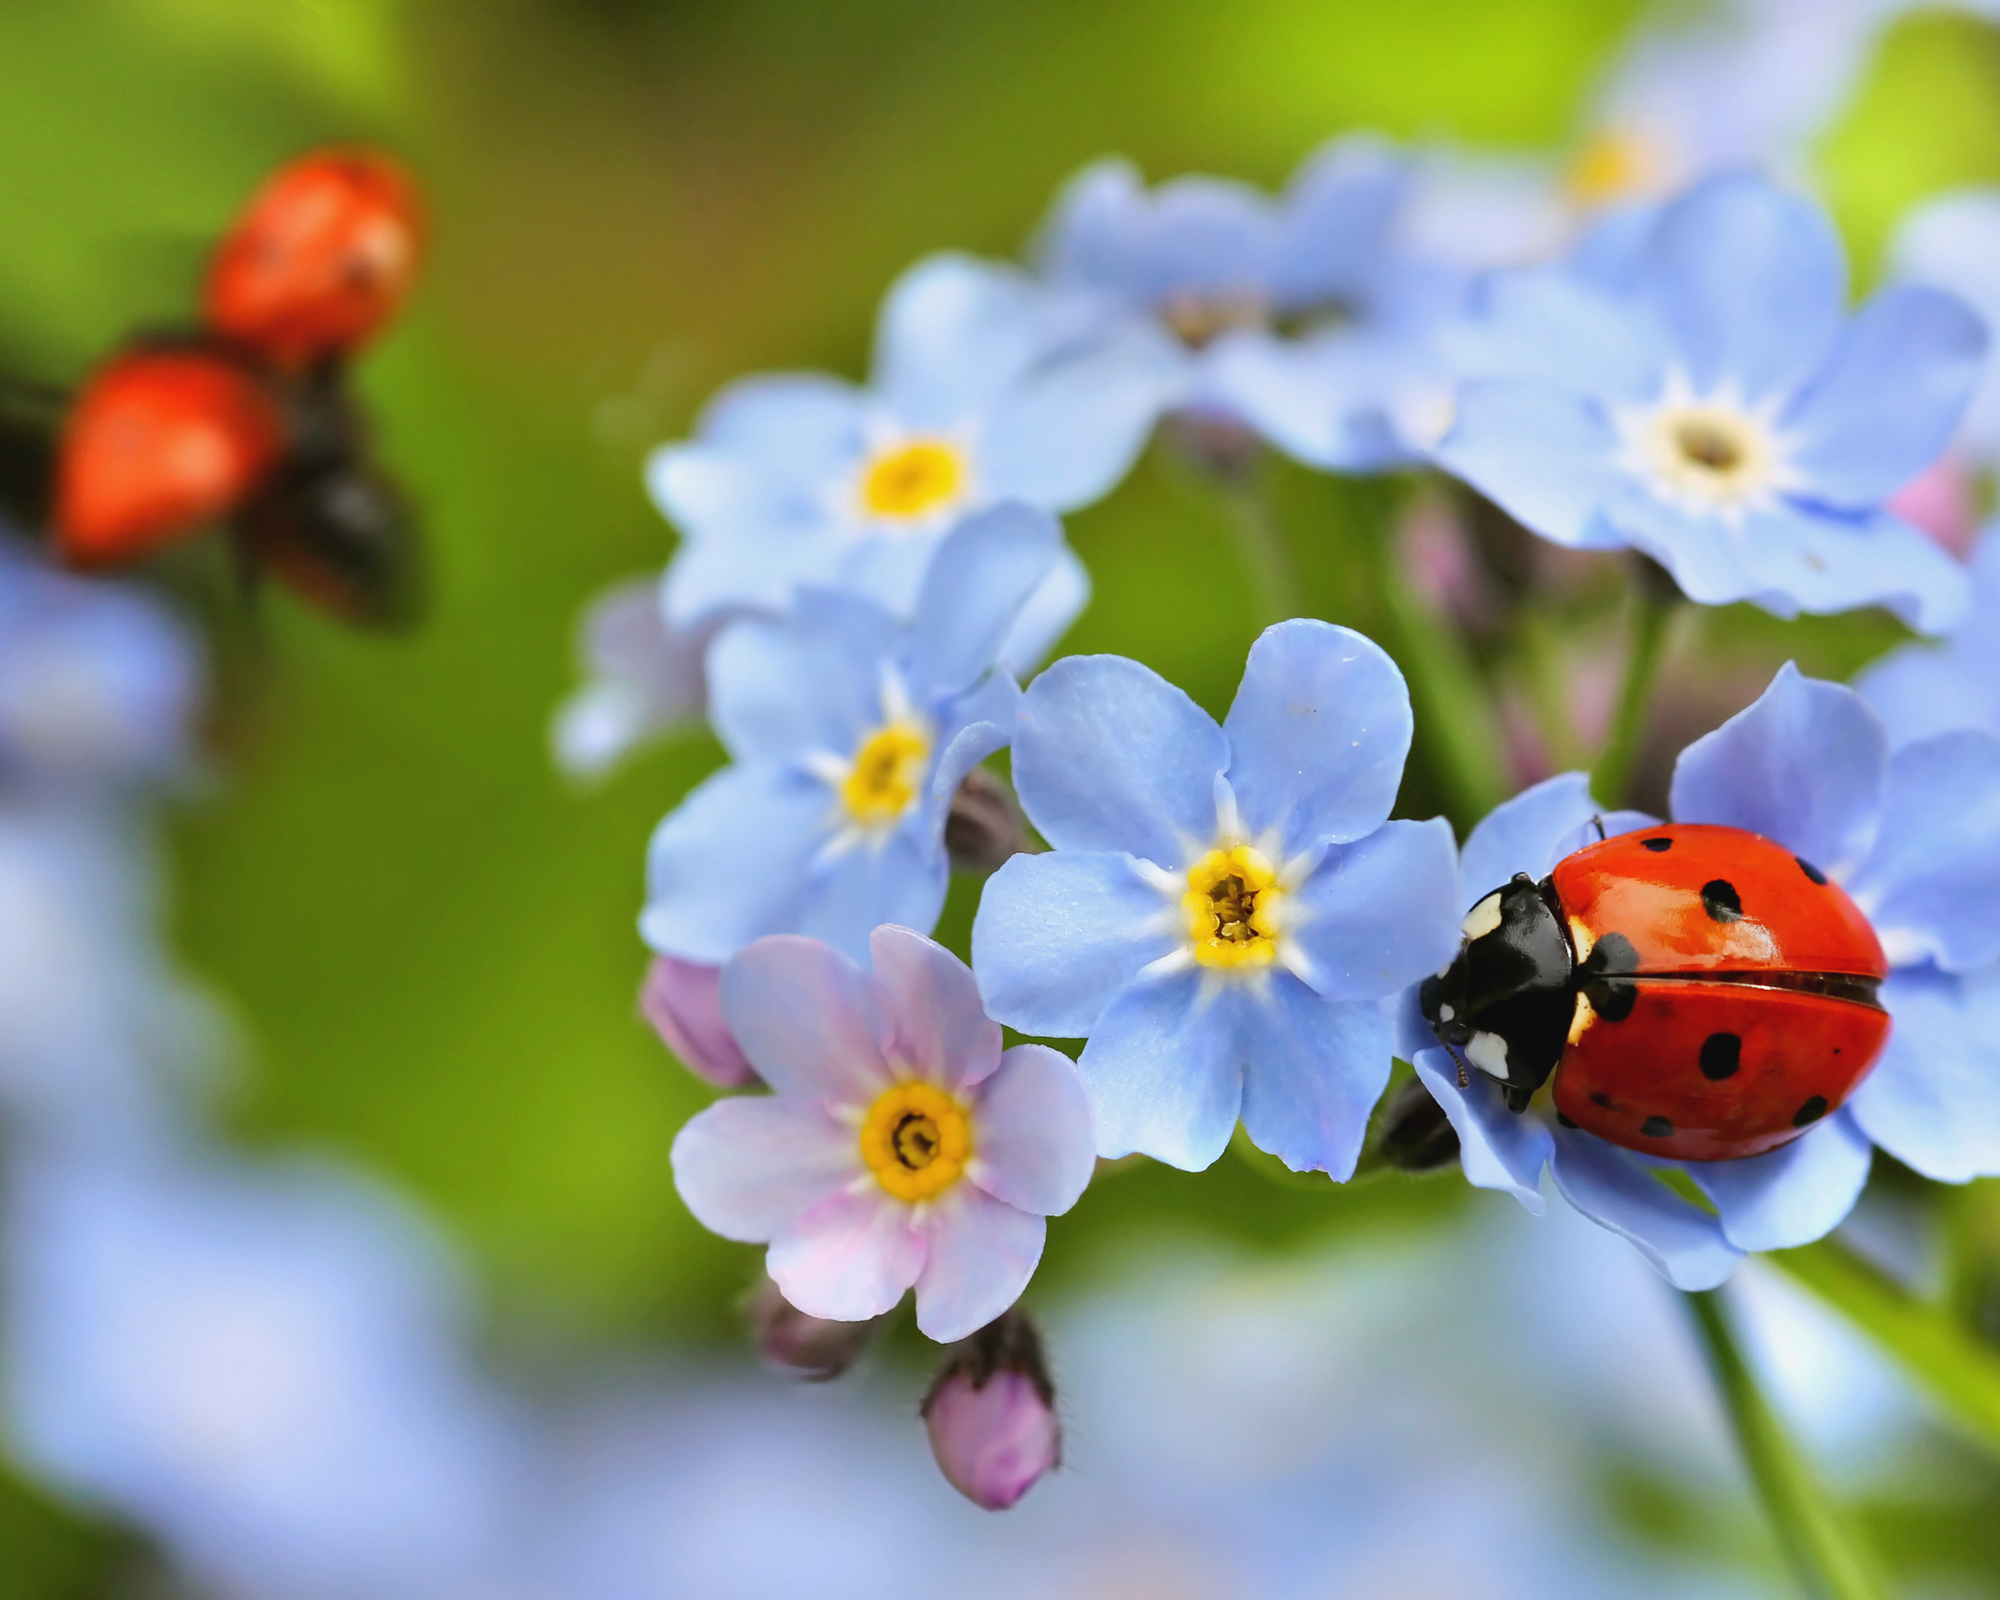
(991, 1414)
(1943, 502)
(984, 826)
(682, 1000)
(811, 1348)
(1413, 1133)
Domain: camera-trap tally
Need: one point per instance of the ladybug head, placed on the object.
(1504, 1003)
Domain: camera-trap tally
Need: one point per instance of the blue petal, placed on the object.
(1933, 1100)
(1545, 457)
(902, 880)
(1068, 432)
(1164, 1071)
(1931, 885)
(1923, 689)
(1110, 756)
(1706, 560)
(1192, 234)
(732, 861)
(1885, 406)
(954, 333)
(1379, 914)
(981, 576)
(1521, 834)
(1798, 558)
(1753, 282)
(1792, 1195)
(1804, 765)
(762, 452)
(1318, 733)
(1552, 326)
(1497, 1149)
(1682, 1241)
(1046, 616)
(748, 570)
(805, 418)
(779, 688)
(969, 746)
(1058, 936)
(1314, 1069)
(1334, 230)
(1323, 400)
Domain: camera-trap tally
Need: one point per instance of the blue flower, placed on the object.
(987, 386)
(850, 732)
(1952, 242)
(1914, 837)
(1694, 390)
(98, 684)
(1226, 909)
(264, 1369)
(1925, 688)
(1305, 317)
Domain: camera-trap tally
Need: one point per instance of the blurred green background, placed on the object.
(425, 936)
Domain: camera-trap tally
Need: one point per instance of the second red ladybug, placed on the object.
(1687, 991)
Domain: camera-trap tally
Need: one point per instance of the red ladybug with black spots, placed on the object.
(247, 420)
(1687, 991)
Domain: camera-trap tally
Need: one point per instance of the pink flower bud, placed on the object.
(1942, 502)
(992, 1416)
(682, 1000)
(805, 1347)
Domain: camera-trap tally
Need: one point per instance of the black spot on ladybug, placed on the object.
(1810, 1112)
(1721, 1055)
(1613, 953)
(1810, 870)
(1721, 901)
(1657, 1128)
(1657, 845)
(1564, 1120)
(1612, 998)
(1600, 1098)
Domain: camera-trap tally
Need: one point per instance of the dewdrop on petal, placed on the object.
(991, 1414)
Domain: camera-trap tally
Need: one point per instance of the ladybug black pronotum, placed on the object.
(1689, 991)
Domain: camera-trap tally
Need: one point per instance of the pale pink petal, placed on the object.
(941, 1028)
(809, 1019)
(683, 1002)
(982, 1254)
(850, 1257)
(748, 1167)
(1032, 1142)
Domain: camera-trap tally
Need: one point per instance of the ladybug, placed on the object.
(1694, 992)
(158, 443)
(319, 261)
(247, 420)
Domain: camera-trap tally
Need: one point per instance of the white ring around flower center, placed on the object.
(1708, 454)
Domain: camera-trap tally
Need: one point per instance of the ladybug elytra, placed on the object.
(1688, 991)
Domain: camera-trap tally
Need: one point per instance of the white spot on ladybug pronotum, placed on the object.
(1482, 919)
(1445, 1013)
(1488, 1052)
(1582, 1018)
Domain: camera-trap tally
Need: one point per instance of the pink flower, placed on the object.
(901, 1147)
(681, 1000)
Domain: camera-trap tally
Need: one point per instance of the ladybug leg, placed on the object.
(1597, 822)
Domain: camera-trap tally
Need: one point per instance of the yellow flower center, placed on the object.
(1616, 164)
(1231, 905)
(888, 774)
(913, 479)
(916, 1140)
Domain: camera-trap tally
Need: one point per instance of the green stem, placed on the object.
(1261, 547)
(1953, 1363)
(1818, 1541)
(1653, 606)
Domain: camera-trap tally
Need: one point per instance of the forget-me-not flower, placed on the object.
(1306, 317)
(1913, 835)
(987, 386)
(1952, 242)
(264, 1369)
(1226, 909)
(902, 1146)
(850, 732)
(1927, 687)
(1693, 388)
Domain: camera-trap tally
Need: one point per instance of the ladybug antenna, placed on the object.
(1597, 822)
(1463, 1081)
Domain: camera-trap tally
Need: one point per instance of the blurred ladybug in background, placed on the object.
(1696, 992)
(247, 420)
